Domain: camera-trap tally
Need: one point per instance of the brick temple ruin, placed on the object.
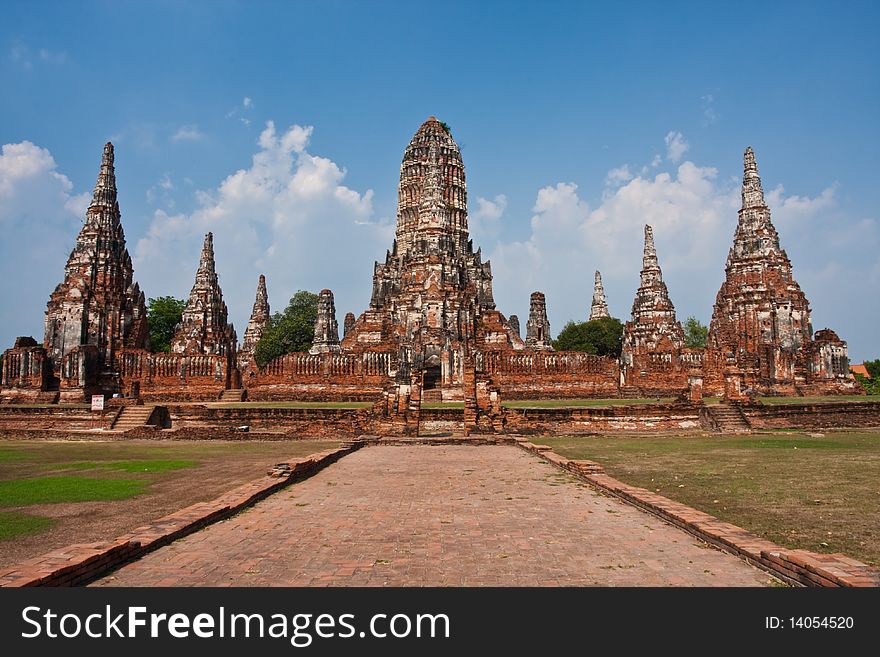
(432, 331)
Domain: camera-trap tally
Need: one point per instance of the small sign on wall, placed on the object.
(97, 402)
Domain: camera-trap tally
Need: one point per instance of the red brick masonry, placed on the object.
(793, 566)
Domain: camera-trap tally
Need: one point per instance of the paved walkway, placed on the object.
(439, 516)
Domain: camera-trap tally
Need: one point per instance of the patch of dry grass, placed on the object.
(815, 493)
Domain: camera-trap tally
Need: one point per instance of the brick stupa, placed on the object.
(98, 304)
(761, 324)
(204, 328)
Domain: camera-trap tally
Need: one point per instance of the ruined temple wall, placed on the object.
(44, 418)
(331, 423)
(814, 416)
(322, 377)
(637, 418)
(552, 375)
(165, 377)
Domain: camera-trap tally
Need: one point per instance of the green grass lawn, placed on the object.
(49, 490)
(14, 524)
(816, 493)
(576, 403)
(34, 474)
(773, 401)
(291, 404)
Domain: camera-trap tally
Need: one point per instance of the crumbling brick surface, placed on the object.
(761, 318)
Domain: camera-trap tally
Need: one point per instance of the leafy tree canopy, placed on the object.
(873, 367)
(602, 337)
(695, 333)
(872, 385)
(163, 315)
(289, 331)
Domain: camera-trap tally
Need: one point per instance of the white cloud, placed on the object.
(25, 57)
(188, 133)
(247, 104)
(484, 222)
(39, 216)
(288, 215)
(676, 146)
(709, 114)
(618, 176)
(161, 192)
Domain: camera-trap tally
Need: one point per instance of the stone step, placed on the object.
(132, 417)
(729, 419)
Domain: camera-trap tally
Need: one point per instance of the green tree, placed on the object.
(602, 337)
(695, 333)
(873, 367)
(289, 331)
(872, 385)
(163, 315)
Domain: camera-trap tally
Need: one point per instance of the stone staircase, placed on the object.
(132, 417)
(728, 418)
(233, 396)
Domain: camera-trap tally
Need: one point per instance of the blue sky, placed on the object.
(578, 123)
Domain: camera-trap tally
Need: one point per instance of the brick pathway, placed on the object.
(446, 516)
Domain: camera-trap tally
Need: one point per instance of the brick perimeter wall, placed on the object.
(814, 416)
(643, 417)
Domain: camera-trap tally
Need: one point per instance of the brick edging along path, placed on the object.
(793, 566)
(81, 563)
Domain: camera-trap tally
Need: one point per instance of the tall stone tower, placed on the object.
(433, 293)
(203, 328)
(599, 308)
(538, 326)
(260, 316)
(761, 317)
(653, 338)
(98, 303)
(326, 337)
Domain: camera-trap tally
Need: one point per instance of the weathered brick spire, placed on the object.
(653, 315)
(599, 308)
(105, 187)
(204, 328)
(326, 337)
(538, 326)
(756, 237)
(257, 324)
(752, 192)
(98, 303)
(653, 338)
(760, 314)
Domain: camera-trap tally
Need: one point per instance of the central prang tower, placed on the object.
(432, 296)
